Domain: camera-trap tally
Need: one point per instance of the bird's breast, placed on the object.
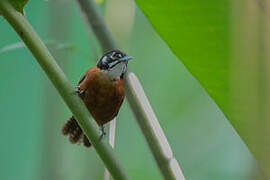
(103, 96)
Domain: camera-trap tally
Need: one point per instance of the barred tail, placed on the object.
(72, 129)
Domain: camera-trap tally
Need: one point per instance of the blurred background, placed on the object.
(32, 112)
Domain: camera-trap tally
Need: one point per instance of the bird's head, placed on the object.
(114, 63)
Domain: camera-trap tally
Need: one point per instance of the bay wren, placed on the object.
(102, 90)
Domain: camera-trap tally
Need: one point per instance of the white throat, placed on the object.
(117, 70)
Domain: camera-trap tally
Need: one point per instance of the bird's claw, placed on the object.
(103, 133)
(78, 90)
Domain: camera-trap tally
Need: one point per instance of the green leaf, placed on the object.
(197, 32)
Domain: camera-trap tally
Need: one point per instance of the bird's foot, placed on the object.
(78, 90)
(103, 133)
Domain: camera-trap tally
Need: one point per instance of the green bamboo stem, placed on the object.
(137, 99)
(64, 87)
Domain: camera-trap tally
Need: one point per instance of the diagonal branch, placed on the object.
(64, 87)
(138, 102)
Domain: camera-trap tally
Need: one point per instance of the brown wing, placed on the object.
(84, 81)
(118, 107)
(82, 78)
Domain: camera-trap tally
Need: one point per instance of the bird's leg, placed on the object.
(78, 90)
(103, 133)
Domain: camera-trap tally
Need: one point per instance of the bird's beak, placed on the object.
(125, 58)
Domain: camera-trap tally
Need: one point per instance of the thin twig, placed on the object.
(138, 102)
(64, 87)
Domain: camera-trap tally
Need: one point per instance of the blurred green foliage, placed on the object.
(32, 113)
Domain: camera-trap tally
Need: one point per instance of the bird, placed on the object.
(102, 90)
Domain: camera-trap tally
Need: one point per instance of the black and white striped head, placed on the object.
(114, 63)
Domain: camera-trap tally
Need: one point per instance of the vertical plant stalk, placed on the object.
(111, 142)
(64, 87)
(138, 102)
(152, 130)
